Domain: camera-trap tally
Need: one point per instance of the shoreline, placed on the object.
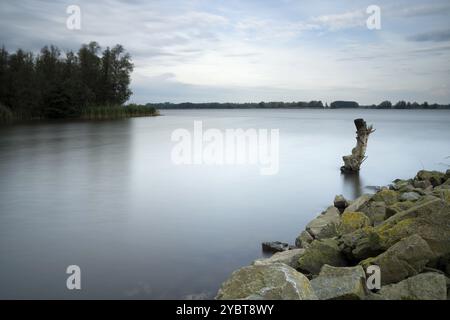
(390, 245)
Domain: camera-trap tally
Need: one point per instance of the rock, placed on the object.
(356, 205)
(434, 177)
(351, 221)
(340, 203)
(406, 258)
(346, 283)
(443, 194)
(303, 240)
(275, 246)
(398, 207)
(326, 221)
(424, 286)
(409, 196)
(289, 257)
(272, 282)
(376, 211)
(422, 184)
(428, 219)
(399, 184)
(387, 196)
(360, 244)
(321, 252)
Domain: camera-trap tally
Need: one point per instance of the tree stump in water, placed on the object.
(352, 163)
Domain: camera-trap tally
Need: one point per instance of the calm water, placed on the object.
(106, 196)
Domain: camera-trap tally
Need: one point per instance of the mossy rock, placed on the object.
(352, 221)
(406, 258)
(434, 177)
(321, 252)
(360, 244)
(398, 207)
(387, 196)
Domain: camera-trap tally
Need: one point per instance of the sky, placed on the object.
(255, 50)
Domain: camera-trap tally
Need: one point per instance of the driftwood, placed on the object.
(352, 163)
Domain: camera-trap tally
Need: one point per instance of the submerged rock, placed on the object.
(406, 258)
(321, 252)
(325, 224)
(352, 221)
(275, 246)
(272, 282)
(424, 286)
(345, 283)
(289, 257)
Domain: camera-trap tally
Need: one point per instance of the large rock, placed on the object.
(376, 211)
(321, 252)
(340, 203)
(346, 283)
(360, 244)
(422, 184)
(352, 221)
(430, 220)
(304, 239)
(289, 257)
(324, 226)
(272, 282)
(434, 177)
(360, 202)
(275, 246)
(406, 258)
(387, 196)
(398, 207)
(424, 286)
(409, 196)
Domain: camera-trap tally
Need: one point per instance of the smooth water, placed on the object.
(106, 196)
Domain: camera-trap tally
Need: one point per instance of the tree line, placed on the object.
(56, 85)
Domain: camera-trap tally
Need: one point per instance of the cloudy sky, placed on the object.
(255, 50)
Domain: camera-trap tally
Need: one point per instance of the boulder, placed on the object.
(375, 211)
(340, 203)
(406, 258)
(424, 286)
(409, 196)
(271, 282)
(352, 221)
(422, 184)
(428, 219)
(346, 283)
(304, 239)
(398, 207)
(399, 184)
(275, 246)
(434, 177)
(357, 204)
(387, 196)
(289, 257)
(321, 252)
(325, 224)
(360, 244)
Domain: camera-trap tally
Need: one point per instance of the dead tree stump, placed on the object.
(352, 163)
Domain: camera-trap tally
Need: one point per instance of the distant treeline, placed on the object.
(71, 85)
(297, 105)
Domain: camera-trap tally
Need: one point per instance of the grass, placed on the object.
(118, 112)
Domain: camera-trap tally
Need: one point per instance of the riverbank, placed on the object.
(391, 245)
(87, 113)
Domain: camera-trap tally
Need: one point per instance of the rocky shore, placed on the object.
(403, 230)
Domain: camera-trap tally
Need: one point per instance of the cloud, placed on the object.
(342, 20)
(434, 36)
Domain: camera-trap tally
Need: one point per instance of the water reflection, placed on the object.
(352, 185)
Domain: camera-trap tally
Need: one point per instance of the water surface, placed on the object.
(107, 197)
